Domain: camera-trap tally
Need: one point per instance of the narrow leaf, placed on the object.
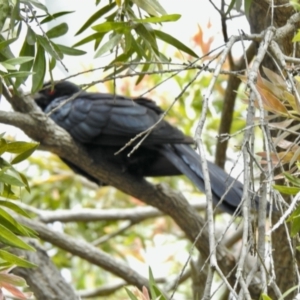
(24, 155)
(288, 190)
(109, 26)
(18, 60)
(109, 45)
(90, 38)
(36, 3)
(39, 69)
(15, 260)
(70, 51)
(96, 16)
(174, 42)
(14, 207)
(152, 7)
(11, 239)
(55, 16)
(57, 31)
(50, 47)
(26, 50)
(165, 18)
(8, 179)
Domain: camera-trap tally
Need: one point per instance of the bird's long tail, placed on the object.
(226, 191)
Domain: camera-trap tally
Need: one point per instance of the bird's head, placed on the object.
(49, 92)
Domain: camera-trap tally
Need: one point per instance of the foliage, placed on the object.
(155, 292)
(129, 26)
(10, 229)
(32, 58)
(130, 36)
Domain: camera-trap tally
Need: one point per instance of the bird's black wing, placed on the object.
(106, 119)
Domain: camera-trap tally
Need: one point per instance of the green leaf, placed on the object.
(97, 15)
(9, 238)
(130, 294)
(18, 60)
(50, 47)
(25, 181)
(18, 75)
(14, 16)
(147, 35)
(152, 7)
(144, 69)
(295, 214)
(8, 66)
(70, 51)
(6, 43)
(294, 180)
(230, 7)
(152, 284)
(24, 155)
(6, 52)
(14, 207)
(52, 63)
(8, 179)
(247, 4)
(136, 45)
(109, 45)
(265, 297)
(154, 290)
(7, 193)
(296, 38)
(109, 26)
(165, 18)
(174, 42)
(26, 50)
(295, 228)
(4, 12)
(289, 291)
(57, 31)
(39, 69)
(55, 16)
(90, 38)
(20, 147)
(128, 41)
(288, 190)
(30, 36)
(36, 4)
(11, 224)
(15, 260)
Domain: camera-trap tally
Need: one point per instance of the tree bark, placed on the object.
(261, 16)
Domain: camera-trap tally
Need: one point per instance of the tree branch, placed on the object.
(45, 281)
(85, 251)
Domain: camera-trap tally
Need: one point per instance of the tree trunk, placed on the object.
(261, 16)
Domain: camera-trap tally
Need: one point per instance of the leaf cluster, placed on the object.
(131, 36)
(37, 49)
(10, 229)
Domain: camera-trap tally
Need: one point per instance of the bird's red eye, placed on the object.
(51, 92)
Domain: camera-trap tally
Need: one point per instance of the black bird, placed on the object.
(108, 122)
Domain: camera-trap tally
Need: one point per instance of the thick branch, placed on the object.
(86, 251)
(45, 280)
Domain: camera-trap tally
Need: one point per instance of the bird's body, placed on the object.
(108, 122)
